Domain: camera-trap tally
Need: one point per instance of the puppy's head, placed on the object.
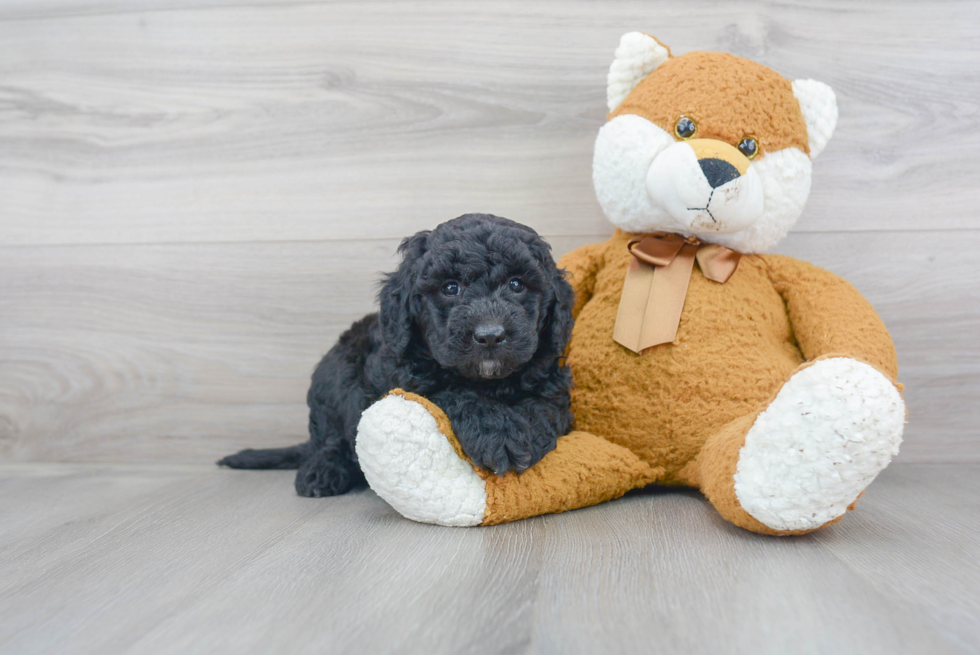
(479, 294)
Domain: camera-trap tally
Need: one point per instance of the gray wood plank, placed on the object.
(949, 495)
(220, 561)
(720, 591)
(168, 346)
(171, 122)
(60, 501)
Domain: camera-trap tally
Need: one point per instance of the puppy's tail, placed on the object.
(268, 458)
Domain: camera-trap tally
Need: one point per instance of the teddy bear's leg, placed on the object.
(411, 458)
(801, 462)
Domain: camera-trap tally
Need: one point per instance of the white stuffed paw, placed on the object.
(831, 429)
(409, 462)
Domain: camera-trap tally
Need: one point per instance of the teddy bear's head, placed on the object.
(708, 145)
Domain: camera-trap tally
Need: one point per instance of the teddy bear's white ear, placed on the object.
(636, 57)
(819, 105)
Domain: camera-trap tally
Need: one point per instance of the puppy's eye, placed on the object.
(685, 128)
(749, 147)
(450, 289)
(516, 285)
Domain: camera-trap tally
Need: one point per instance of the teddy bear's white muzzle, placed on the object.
(698, 197)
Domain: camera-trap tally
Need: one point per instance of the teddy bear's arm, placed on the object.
(829, 316)
(581, 266)
(412, 458)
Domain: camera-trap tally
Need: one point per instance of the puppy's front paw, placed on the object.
(489, 451)
(500, 449)
(410, 463)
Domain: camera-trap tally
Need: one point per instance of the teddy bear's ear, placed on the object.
(819, 105)
(636, 57)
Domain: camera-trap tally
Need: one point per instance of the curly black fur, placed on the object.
(476, 318)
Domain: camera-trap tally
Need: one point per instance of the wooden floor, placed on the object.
(182, 559)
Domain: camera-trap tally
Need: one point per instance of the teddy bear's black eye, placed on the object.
(748, 147)
(450, 289)
(685, 128)
(516, 285)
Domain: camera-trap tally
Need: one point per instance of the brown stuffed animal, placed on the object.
(765, 382)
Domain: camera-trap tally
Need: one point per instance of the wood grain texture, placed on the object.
(102, 559)
(187, 352)
(164, 121)
(197, 197)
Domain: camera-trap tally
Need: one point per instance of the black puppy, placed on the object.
(476, 319)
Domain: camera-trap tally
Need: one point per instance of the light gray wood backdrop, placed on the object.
(196, 197)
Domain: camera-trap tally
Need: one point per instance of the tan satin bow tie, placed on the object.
(656, 285)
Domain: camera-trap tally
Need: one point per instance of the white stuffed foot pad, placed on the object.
(831, 429)
(411, 465)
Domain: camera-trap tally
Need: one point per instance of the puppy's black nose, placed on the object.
(489, 335)
(718, 171)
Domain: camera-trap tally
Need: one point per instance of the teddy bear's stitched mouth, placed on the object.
(705, 208)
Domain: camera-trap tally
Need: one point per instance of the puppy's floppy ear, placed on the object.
(558, 328)
(397, 295)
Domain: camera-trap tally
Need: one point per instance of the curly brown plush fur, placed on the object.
(476, 318)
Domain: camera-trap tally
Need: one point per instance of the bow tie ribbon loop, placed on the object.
(656, 285)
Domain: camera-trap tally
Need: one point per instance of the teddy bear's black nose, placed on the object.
(718, 171)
